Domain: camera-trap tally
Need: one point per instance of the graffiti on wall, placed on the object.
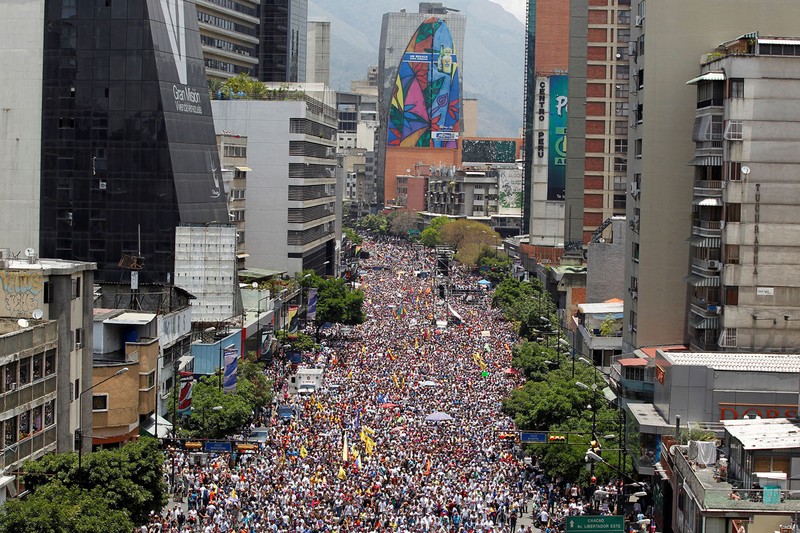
(20, 291)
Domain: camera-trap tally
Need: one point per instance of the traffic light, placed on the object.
(558, 438)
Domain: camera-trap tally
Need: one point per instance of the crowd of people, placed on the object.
(403, 435)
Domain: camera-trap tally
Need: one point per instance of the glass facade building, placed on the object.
(283, 41)
(128, 144)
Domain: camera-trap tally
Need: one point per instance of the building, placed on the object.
(358, 120)
(398, 30)
(233, 158)
(21, 52)
(412, 192)
(744, 207)
(123, 339)
(597, 131)
(546, 47)
(128, 137)
(469, 110)
(37, 289)
(229, 34)
(660, 145)
(282, 41)
(367, 86)
(291, 207)
(29, 389)
(318, 54)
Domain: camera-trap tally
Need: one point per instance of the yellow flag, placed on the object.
(303, 452)
(369, 445)
(342, 474)
(396, 381)
(350, 375)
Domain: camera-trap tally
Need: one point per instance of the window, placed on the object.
(621, 146)
(620, 164)
(619, 201)
(637, 148)
(233, 150)
(731, 295)
(623, 72)
(11, 375)
(79, 338)
(640, 44)
(10, 428)
(634, 373)
(632, 321)
(77, 388)
(76, 288)
(24, 371)
(620, 183)
(99, 402)
(624, 16)
(623, 35)
(50, 363)
(733, 130)
(50, 413)
(151, 379)
(621, 90)
(640, 113)
(733, 171)
(38, 363)
(621, 109)
(237, 194)
(736, 88)
(733, 212)
(623, 52)
(37, 419)
(635, 252)
(732, 254)
(621, 127)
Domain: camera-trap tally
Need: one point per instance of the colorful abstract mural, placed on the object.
(426, 107)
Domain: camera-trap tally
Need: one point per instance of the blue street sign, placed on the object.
(532, 437)
(218, 446)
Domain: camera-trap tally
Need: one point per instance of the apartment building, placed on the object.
(229, 35)
(233, 158)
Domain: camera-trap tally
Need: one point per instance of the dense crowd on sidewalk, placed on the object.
(364, 454)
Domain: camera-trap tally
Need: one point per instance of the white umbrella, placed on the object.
(428, 384)
(438, 416)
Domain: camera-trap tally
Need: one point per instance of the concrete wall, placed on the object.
(21, 60)
(605, 263)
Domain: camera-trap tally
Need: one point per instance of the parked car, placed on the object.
(287, 412)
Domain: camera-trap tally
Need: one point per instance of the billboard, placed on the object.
(557, 138)
(488, 151)
(425, 107)
(509, 184)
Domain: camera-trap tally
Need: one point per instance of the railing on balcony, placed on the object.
(707, 224)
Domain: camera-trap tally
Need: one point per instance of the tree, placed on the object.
(128, 479)
(299, 342)
(530, 357)
(493, 267)
(337, 302)
(236, 410)
(432, 236)
(352, 236)
(402, 221)
(56, 508)
(377, 223)
(243, 86)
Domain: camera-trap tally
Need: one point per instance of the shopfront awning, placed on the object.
(696, 280)
(704, 242)
(707, 202)
(707, 161)
(708, 76)
(149, 427)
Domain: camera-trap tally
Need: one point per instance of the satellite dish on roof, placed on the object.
(30, 252)
(22, 323)
(745, 170)
(37, 314)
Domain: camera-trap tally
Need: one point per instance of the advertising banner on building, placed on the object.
(557, 133)
(311, 314)
(509, 184)
(231, 370)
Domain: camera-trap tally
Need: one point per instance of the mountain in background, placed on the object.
(494, 55)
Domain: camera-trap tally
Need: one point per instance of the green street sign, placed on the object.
(596, 524)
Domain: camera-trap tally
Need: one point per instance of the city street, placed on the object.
(405, 433)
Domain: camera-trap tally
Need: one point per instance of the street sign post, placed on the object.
(532, 437)
(596, 524)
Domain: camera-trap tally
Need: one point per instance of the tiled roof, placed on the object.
(747, 362)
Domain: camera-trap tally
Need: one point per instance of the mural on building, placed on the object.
(425, 108)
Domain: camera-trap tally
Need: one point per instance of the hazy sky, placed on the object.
(515, 7)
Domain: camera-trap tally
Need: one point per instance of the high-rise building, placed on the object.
(233, 158)
(291, 189)
(597, 131)
(744, 207)
(127, 139)
(318, 54)
(229, 34)
(282, 37)
(669, 38)
(546, 113)
(397, 29)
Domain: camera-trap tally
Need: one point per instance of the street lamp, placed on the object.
(593, 388)
(80, 417)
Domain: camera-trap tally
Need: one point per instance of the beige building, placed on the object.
(670, 37)
(469, 112)
(233, 159)
(744, 245)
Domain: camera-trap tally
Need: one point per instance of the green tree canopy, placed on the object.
(57, 508)
(236, 409)
(432, 235)
(337, 302)
(128, 480)
(377, 223)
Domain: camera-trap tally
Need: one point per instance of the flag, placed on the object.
(231, 369)
(344, 448)
(294, 323)
(396, 381)
(428, 467)
(427, 291)
(185, 396)
(358, 463)
(342, 474)
(312, 304)
(303, 452)
(390, 354)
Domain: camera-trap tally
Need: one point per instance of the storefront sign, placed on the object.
(734, 411)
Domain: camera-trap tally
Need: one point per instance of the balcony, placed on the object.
(707, 228)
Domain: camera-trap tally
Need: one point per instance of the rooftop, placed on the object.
(49, 266)
(765, 434)
(742, 362)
